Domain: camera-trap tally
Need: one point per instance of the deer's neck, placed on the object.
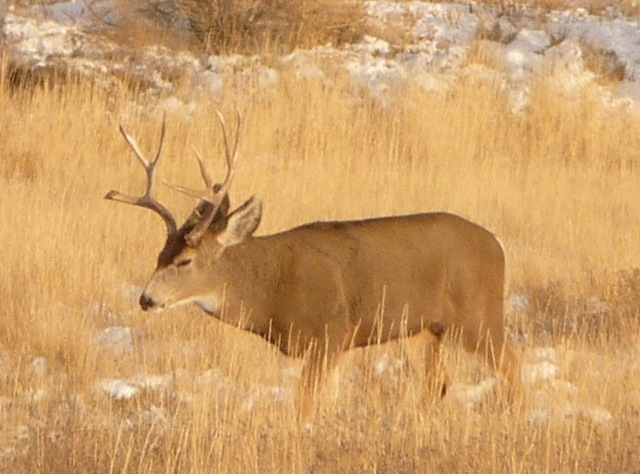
(251, 273)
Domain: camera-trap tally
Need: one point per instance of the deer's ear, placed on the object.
(242, 223)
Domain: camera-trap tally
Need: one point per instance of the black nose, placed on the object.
(146, 302)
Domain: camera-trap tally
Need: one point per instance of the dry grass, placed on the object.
(557, 184)
(605, 65)
(250, 26)
(230, 26)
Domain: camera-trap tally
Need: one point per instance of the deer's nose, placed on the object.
(146, 302)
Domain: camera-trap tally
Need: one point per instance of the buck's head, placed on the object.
(187, 268)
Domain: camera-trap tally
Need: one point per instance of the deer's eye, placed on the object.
(184, 263)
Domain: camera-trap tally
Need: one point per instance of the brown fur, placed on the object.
(322, 288)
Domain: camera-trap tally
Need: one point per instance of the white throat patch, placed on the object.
(209, 304)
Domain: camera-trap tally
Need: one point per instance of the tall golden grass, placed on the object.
(558, 184)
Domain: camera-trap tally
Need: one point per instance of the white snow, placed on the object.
(40, 366)
(550, 398)
(471, 394)
(250, 399)
(118, 389)
(90, 15)
(439, 37)
(117, 339)
(543, 353)
(550, 410)
(125, 389)
(213, 382)
(518, 303)
(524, 55)
(40, 40)
(152, 382)
(156, 416)
(543, 371)
(387, 366)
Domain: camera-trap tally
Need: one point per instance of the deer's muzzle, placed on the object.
(147, 303)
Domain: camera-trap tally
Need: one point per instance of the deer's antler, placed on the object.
(213, 193)
(148, 200)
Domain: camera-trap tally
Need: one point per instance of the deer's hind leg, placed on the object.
(426, 357)
(499, 354)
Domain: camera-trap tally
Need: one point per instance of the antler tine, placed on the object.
(162, 132)
(235, 145)
(134, 146)
(208, 194)
(203, 171)
(225, 135)
(232, 157)
(148, 199)
(214, 194)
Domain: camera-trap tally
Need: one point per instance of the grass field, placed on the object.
(558, 184)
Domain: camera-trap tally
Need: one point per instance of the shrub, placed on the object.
(247, 26)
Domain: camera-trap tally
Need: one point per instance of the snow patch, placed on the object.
(126, 389)
(40, 366)
(548, 410)
(541, 372)
(155, 416)
(258, 394)
(518, 303)
(471, 394)
(439, 39)
(117, 339)
(543, 353)
(213, 382)
(555, 399)
(387, 366)
(118, 389)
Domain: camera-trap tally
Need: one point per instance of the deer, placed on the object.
(320, 289)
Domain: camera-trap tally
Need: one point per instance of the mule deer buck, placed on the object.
(324, 287)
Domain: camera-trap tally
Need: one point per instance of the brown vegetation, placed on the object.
(558, 183)
(250, 26)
